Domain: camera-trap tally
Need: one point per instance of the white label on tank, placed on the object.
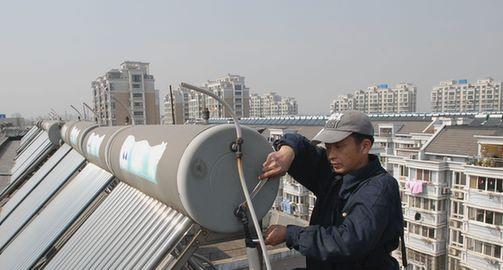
(73, 135)
(93, 144)
(141, 159)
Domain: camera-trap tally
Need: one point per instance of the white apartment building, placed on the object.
(462, 96)
(455, 221)
(379, 99)
(233, 90)
(179, 107)
(125, 93)
(271, 104)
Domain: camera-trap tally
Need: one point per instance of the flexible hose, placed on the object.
(252, 213)
(239, 161)
(227, 106)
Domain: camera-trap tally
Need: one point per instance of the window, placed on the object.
(424, 175)
(481, 183)
(422, 230)
(138, 113)
(136, 78)
(457, 208)
(498, 219)
(137, 95)
(136, 85)
(431, 233)
(489, 217)
(433, 205)
(459, 178)
(491, 184)
(484, 248)
(404, 171)
(485, 216)
(426, 204)
(487, 184)
(479, 215)
(238, 87)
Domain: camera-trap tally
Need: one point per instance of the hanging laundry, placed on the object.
(415, 186)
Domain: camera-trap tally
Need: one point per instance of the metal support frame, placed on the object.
(186, 253)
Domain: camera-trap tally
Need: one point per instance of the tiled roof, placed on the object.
(460, 140)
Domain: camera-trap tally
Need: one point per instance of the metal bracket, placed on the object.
(186, 253)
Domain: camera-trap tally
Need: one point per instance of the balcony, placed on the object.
(379, 149)
(387, 138)
(434, 218)
(482, 230)
(475, 260)
(417, 265)
(487, 162)
(484, 199)
(411, 153)
(425, 245)
(430, 191)
(458, 187)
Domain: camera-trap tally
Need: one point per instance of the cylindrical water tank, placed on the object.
(73, 133)
(188, 167)
(53, 130)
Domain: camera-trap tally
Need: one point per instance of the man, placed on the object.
(357, 219)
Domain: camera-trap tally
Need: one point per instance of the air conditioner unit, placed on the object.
(445, 190)
(459, 195)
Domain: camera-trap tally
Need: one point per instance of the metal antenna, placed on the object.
(95, 114)
(80, 115)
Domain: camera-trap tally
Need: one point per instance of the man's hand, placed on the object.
(275, 235)
(277, 163)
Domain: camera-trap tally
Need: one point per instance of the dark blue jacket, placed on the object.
(357, 218)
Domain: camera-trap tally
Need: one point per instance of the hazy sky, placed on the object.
(312, 50)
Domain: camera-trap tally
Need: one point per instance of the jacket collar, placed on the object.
(352, 179)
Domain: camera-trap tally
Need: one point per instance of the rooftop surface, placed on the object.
(460, 140)
(7, 154)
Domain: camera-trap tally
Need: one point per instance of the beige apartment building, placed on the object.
(272, 104)
(126, 96)
(483, 95)
(381, 98)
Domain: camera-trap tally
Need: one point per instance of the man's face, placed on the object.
(347, 155)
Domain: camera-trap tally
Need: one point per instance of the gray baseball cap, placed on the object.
(340, 125)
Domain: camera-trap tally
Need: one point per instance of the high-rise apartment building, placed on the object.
(179, 107)
(462, 96)
(271, 104)
(233, 90)
(379, 99)
(126, 96)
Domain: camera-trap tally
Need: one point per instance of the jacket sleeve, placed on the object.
(310, 166)
(359, 233)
